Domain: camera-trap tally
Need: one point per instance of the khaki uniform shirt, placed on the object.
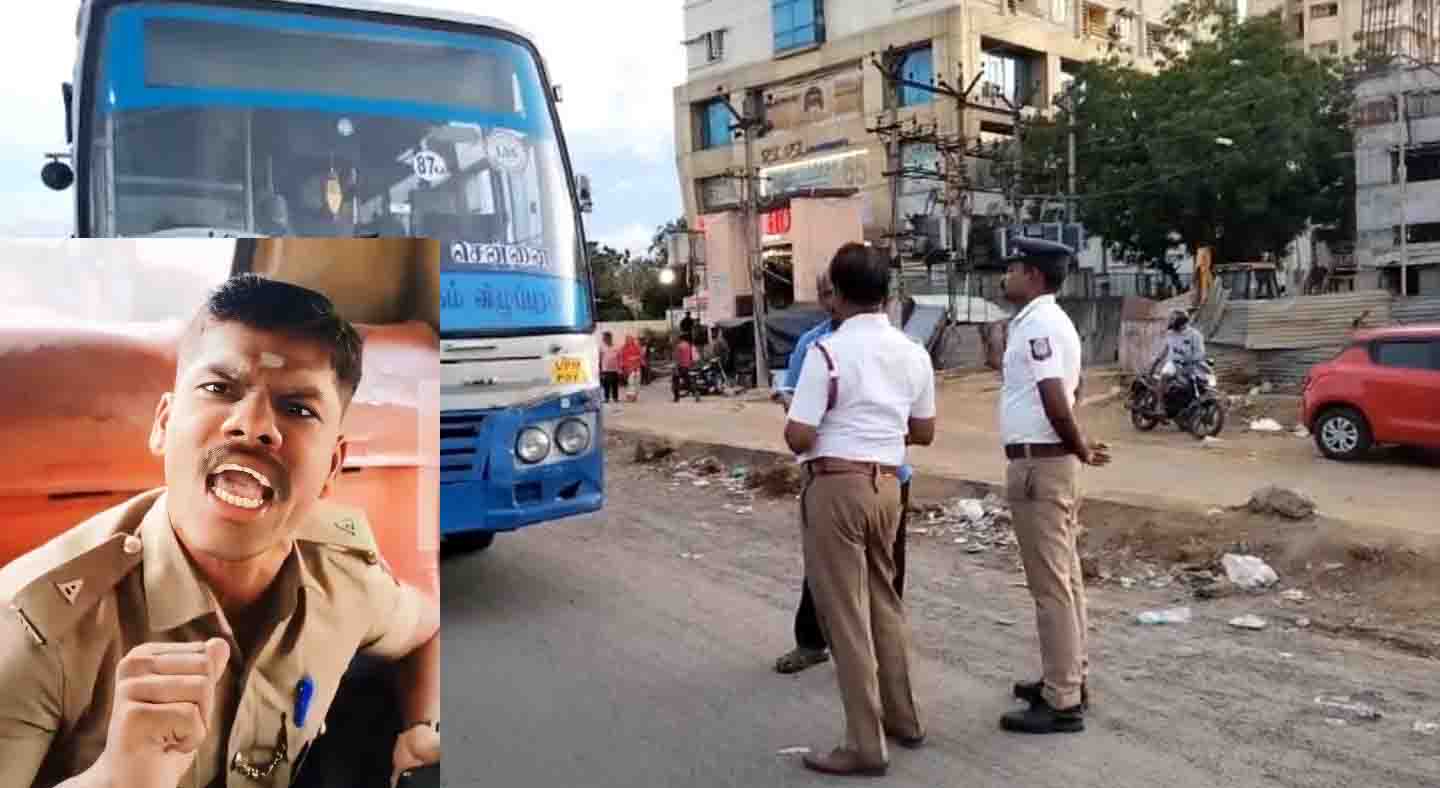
(70, 610)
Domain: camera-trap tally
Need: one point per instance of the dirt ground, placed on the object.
(1367, 583)
(1392, 489)
(688, 579)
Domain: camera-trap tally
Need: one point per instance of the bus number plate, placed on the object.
(567, 370)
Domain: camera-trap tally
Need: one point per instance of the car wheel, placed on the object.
(1342, 434)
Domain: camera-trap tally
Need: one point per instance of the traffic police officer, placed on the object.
(810, 646)
(864, 393)
(195, 635)
(1045, 448)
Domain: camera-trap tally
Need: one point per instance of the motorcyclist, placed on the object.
(1184, 351)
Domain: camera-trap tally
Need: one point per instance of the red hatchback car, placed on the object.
(1383, 388)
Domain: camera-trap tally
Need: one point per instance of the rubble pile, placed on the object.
(778, 479)
(649, 450)
(1282, 501)
(977, 525)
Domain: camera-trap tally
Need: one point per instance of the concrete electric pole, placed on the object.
(752, 124)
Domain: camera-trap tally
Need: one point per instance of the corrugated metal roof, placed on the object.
(1313, 321)
(1233, 325)
(1286, 369)
(1415, 310)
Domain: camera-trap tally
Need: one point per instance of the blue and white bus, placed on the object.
(346, 118)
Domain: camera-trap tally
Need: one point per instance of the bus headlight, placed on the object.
(531, 445)
(572, 436)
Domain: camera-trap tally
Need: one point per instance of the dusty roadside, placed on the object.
(1395, 490)
(634, 648)
(1353, 580)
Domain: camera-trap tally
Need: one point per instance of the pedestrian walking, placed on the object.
(864, 393)
(810, 646)
(609, 367)
(1045, 448)
(632, 365)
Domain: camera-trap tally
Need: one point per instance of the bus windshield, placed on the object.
(218, 120)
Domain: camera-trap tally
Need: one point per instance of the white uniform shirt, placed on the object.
(884, 380)
(1042, 344)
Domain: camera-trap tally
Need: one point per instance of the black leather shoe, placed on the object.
(1031, 692)
(1043, 718)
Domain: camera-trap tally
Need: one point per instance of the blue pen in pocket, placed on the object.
(304, 692)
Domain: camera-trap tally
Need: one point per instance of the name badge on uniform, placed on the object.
(1040, 348)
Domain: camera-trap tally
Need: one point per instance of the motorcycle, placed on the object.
(1191, 401)
(708, 378)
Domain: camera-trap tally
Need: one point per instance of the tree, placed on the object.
(1238, 142)
(658, 249)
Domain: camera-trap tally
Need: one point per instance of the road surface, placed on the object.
(1164, 467)
(634, 648)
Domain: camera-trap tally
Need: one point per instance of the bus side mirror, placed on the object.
(582, 192)
(57, 174)
(67, 92)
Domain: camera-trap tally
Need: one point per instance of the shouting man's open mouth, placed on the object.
(240, 486)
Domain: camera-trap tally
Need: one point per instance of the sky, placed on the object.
(617, 73)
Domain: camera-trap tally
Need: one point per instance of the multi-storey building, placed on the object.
(1342, 28)
(1397, 174)
(807, 65)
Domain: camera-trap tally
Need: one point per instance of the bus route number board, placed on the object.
(567, 369)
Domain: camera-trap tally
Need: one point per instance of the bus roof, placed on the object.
(399, 9)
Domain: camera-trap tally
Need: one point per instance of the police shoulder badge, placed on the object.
(1040, 348)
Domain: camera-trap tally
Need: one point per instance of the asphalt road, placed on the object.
(634, 648)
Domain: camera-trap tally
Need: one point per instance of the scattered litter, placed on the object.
(1127, 582)
(647, 450)
(1426, 728)
(1281, 501)
(1286, 655)
(1345, 706)
(1301, 432)
(1294, 595)
(1303, 622)
(1333, 565)
(1215, 513)
(1210, 442)
(1335, 722)
(794, 751)
(976, 548)
(701, 483)
(1266, 425)
(692, 556)
(1019, 584)
(1006, 622)
(1248, 571)
(1248, 622)
(970, 509)
(1176, 615)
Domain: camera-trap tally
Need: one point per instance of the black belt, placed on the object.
(1023, 451)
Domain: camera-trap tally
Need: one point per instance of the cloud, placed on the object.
(634, 237)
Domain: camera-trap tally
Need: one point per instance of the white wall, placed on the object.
(750, 37)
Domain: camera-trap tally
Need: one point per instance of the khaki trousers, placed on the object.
(1044, 497)
(849, 522)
